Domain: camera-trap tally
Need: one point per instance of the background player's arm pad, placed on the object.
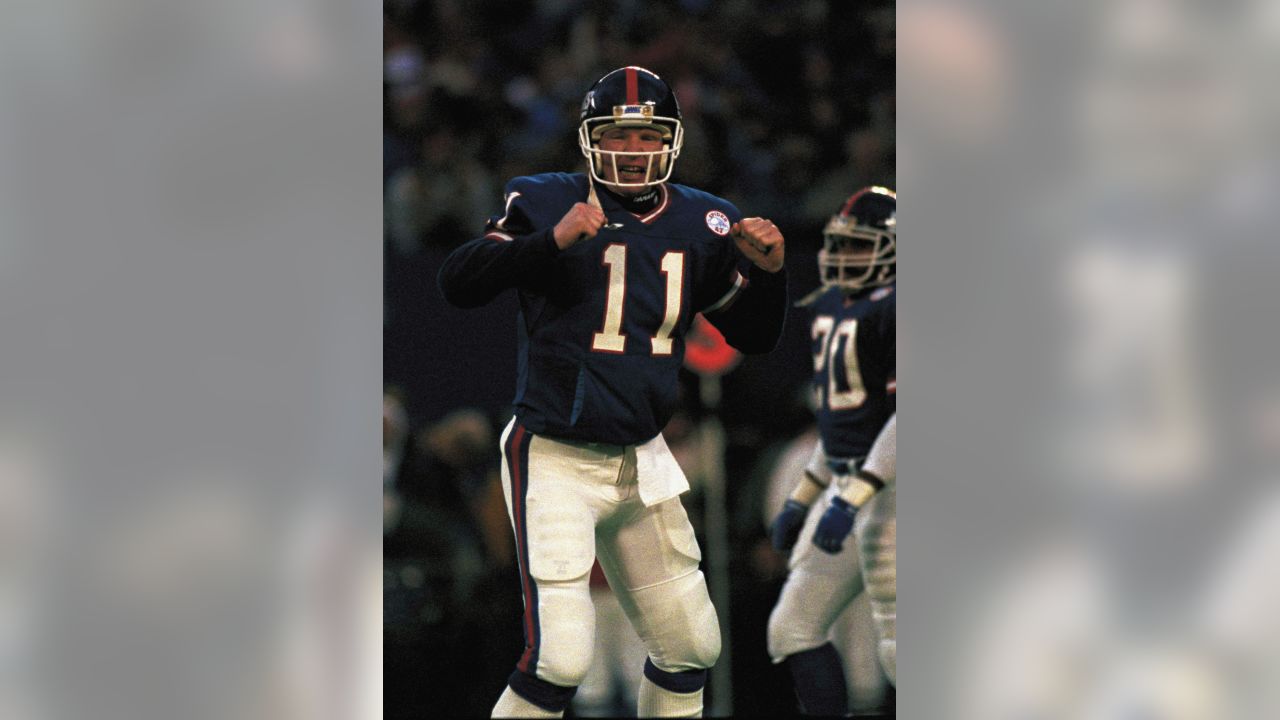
(477, 271)
(815, 479)
(753, 322)
(882, 459)
(880, 467)
(807, 490)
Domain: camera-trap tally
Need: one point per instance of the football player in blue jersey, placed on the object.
(610, 267)
(849, 483)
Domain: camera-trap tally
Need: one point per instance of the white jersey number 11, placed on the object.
(610, 338)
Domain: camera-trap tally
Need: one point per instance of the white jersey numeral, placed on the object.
(673, 268)
(610, 338)
(856, 394)
(822, 326)
(842, 359)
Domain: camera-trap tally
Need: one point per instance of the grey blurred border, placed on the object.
(190, 314)
(1089, 396)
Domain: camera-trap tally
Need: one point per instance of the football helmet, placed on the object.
(631, 97)
(859, 243)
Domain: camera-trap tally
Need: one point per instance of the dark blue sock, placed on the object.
(819, 679)
(545, 695)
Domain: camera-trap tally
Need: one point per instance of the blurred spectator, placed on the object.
(447, 556)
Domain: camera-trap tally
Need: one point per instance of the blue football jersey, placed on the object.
(855, 367)
(602, 323)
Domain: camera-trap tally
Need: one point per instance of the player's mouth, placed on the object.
(631, 173)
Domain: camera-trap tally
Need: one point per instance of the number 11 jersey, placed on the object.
(602, 324)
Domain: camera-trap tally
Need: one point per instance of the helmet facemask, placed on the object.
(854, 257)
(659, 163)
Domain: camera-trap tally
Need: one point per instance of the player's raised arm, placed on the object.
(511, 250)
(752, 315)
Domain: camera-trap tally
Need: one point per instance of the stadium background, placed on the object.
(788, 107)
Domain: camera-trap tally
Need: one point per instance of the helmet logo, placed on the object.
(634, 112)
(589, 101)
(718, 222)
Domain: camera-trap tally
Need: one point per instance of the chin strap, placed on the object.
(592, 199)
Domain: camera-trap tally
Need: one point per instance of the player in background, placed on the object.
(849, 482)
(610, 268)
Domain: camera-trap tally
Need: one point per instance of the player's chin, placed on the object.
(632, 186)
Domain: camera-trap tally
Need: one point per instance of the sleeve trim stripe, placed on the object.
(494, 235)
(738, 281)
(506, 210)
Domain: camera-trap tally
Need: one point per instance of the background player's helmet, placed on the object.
(860, 242)
(631, 97)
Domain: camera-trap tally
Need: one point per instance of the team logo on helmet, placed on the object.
(630, 97)
(718, 222)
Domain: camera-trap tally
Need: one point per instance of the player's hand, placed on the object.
(581, 222)
(761, 241)
(835, 525)
(786, 527)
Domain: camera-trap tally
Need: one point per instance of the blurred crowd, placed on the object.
(787, 105)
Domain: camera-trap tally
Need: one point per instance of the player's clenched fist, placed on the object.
(581, 222)
(761, 241)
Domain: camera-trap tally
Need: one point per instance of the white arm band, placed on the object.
(817, 476)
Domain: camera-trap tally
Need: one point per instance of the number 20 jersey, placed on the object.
(855, 367)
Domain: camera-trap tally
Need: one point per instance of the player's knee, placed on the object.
(565, 671)
(692, 647)
(785, 637)
(567, 663)
(566, 632)
(678, 624)
(793, 628)
(704, 648)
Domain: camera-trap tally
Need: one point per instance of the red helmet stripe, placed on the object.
(633, 87)
(848, 204)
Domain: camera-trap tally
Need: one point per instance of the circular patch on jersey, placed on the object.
(881, 293)
(718, 222)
